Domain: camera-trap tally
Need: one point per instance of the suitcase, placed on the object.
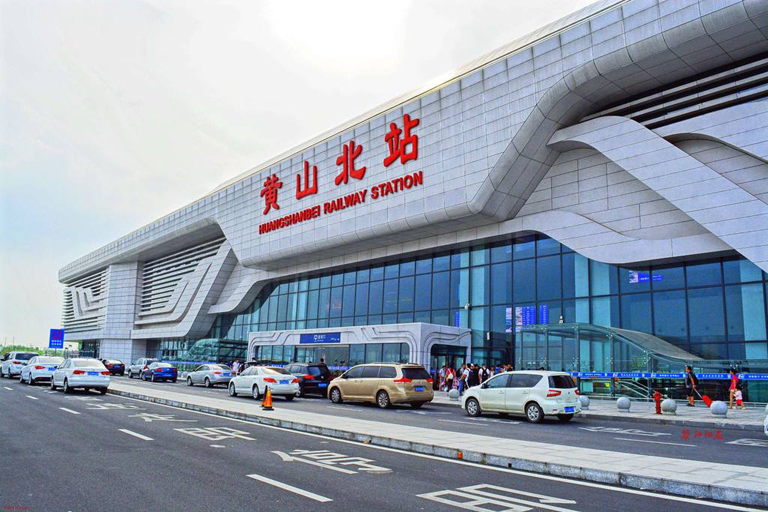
(707, 401)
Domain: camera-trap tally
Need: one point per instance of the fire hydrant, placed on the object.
(657, 399)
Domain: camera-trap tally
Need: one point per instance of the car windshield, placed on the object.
(50, 360)
(88, 363)
(416, 373)
(561, 382)
(25, 356)
(275, 371)
(164, 365)
(318, 370)
(221, 367)
(112, 362)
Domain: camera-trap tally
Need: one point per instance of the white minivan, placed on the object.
(533, 393)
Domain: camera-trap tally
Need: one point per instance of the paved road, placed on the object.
(627, 437)
(87, 452)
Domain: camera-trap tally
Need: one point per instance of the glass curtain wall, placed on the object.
(714, 308)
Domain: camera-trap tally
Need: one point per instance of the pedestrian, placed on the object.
(485, 373)
(739, 397)
(508, 367)
(691, 381)
(236, 366)
(449, 376)
(441, 377)
(733, 387)
(473, 379)
(462, 379)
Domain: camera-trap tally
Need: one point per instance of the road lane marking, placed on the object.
(552, 478)
(290, 488)
(69, 410)
(135, 434)
(9, 389)
(654, 442)
(218, 446)
(464, 422)
(32, 397)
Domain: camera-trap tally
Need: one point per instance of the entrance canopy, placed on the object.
(348, 346)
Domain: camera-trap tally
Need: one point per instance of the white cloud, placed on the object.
(116, 113)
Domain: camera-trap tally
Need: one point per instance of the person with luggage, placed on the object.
(691, 382)
(733, 387)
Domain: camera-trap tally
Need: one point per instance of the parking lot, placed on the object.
(84, 451)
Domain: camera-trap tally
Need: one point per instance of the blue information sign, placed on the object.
(56, 339)
(325, 337)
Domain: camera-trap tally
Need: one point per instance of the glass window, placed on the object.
(575, 275)
(548, 278)
(325, 282)
(460, 258)
(337, 280)
(324, 303)
(501, 283)
(523, 380)
(422, 316)
(361, 302)
(370, 372)
(634, 280)
(669, 316)
(603, 278)
(479, 256)
(741, 271)
(356, 354)
(373, 352)
(375, 298)
(524, 248)
(756, 350)
(501, 319)
(497, 382)
(423, 292)
(440, 290)
(710, 350)
(388, 372)
(348, 304)
(459, 288)
(524, 283)
(441, 262)
(441, 317)
(636, 312)
(390, 296)
(312, 300)
(304, 285)
(549, 312)
(424, 266)
(668, 278)
(391, 352)
(336, 295)
(480, 286)
(605, 311)
(703, 274)
(363, 275)
(501, 252)
(745, 308)
(408, 268)
(314, 283)
(706, 315)
(377, 273)
(355, 373)
(391, 271)
(547, 246)
(405, 294)
(293, 286)
(349, 277)
(301, 306)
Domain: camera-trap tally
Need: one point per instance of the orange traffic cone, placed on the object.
(266, 404)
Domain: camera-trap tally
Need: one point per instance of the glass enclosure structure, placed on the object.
(714, 309)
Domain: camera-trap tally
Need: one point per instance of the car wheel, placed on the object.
(29, 380)
(565, 417)
(67, 389)
(288, 398)
(256, 393)
(208, 383)
(382, 399)
(473, 407)
(232, 391)
(130, 374)
(103, 391)
(53, 386)
(417, 405)
(152, 377)
(189, 381)
(534, 413)
(336, 396)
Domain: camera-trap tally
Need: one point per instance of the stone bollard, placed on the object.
(669, 406)
(453, 394)
(719, 408)
(623, 404)
(584, 402)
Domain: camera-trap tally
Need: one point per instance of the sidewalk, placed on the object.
(733, 483)
(644, 412)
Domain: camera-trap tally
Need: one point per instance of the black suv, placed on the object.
(313, 377)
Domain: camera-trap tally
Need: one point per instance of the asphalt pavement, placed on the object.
(88, 452)
(708, 445)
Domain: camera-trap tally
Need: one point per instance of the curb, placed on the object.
(653, 484)
(666, 420)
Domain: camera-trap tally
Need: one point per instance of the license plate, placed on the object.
(569, 409)
(93, 373)
(323, 385)
(52, 369)
(419, 388)
(283, 382)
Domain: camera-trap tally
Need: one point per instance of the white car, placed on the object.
(86, 373)
(40, 368)
(256, 379)
(13, 362)
(210, 375)
(533, 393)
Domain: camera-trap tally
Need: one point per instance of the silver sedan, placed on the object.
(40, 368)
(210, 375)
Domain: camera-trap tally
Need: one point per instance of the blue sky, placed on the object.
(113, 114)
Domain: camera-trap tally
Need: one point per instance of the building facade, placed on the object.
(609, 169)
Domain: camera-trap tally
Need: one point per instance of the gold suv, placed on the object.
(383, 384)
